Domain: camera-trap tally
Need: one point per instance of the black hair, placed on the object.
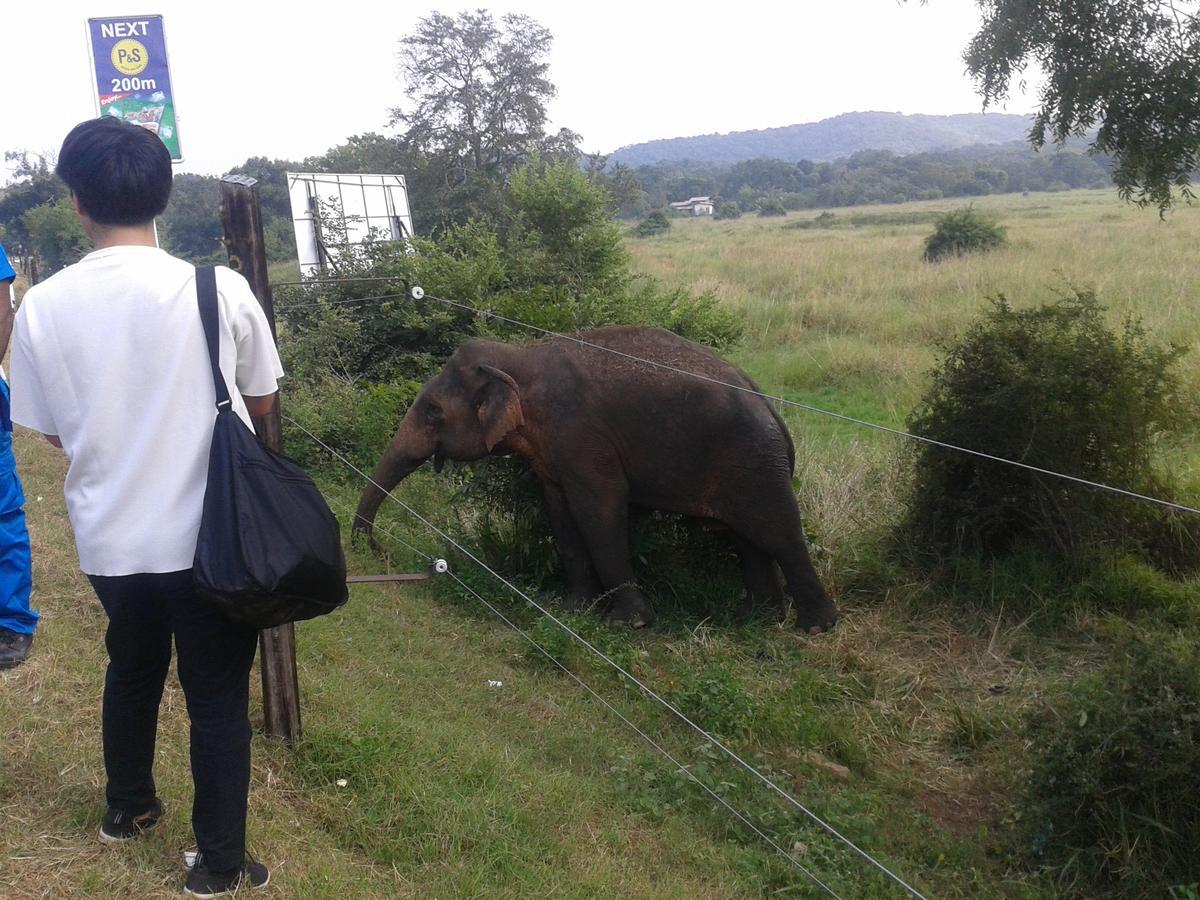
(120, 173)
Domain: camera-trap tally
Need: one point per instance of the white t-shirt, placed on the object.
(109, 354)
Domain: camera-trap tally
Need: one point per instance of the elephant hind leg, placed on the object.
(815, 612)
(761, 577)
(767, 517)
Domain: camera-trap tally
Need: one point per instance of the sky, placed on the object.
(292, 80)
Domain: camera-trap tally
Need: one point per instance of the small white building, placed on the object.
(696, 206)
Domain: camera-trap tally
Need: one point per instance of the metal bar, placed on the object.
(381, 579)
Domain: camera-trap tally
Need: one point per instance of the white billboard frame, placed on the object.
(366, 208)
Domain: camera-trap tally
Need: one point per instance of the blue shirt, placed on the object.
(10, 487)
(7, 273)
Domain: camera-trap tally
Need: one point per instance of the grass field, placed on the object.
(418, 777)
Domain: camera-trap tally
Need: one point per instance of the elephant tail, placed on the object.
(773, 407)
(787, 436)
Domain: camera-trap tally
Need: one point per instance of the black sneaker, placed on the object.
(201, 882)
(14, 648)
(119, 826)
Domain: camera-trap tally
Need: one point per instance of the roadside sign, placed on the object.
(132, 79)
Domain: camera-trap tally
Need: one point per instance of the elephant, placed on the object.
(607, 431)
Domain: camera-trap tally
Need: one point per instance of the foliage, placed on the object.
(479, 91)
(34, 186)
(559, 227)
(190, 226)
(963, 231)
(1131, 69)
(53, 230)
(727, 209)
(715, 700)
(771, 206)
(1116, 772)
(654, 223)
(1051, 387)
(877, 176)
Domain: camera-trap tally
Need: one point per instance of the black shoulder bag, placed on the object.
(270, 550)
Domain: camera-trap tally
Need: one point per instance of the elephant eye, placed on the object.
(433, 413)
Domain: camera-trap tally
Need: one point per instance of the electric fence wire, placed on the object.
(646, 690)
(488, 314)
(685, 770)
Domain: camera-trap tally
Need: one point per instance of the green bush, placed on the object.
(1112, 798)
(1051, 387)
(771, 206)
(728, 209)
(963, 231)
(656, 222)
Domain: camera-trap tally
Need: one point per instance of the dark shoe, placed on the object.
(119, 826)
(14, 648)
(203, 883)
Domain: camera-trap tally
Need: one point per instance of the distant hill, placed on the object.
(833, 138)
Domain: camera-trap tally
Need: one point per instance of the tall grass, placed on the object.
(800, 288)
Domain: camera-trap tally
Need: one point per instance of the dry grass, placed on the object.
(800, 288)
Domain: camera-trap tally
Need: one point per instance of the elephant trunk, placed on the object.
(396, 464)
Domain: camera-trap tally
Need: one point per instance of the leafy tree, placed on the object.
(621, 182)
(55, 235)
(34, 184)
(364, 154)
(191, 225)
(1130, 68)
(479, 92)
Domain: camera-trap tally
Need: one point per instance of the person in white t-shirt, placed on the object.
(109, 362)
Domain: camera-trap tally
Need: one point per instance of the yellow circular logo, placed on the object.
(129, 57)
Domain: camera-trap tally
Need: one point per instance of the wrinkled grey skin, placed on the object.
(604, 433)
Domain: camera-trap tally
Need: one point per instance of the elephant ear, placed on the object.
(498, 406)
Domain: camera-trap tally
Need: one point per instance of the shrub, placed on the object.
(1052, 387)
(654, 223)
(771, 206)
(1116, 773)
(728, 209)
(963, 231)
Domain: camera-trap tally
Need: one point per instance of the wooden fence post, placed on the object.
(241, 217)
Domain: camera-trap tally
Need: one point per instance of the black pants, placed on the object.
(215, 656)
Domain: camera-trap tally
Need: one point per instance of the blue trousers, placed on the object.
(16, 573)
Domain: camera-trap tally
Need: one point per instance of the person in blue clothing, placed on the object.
(17, 620)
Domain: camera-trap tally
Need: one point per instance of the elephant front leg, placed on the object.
(582, 585)
(601, 513)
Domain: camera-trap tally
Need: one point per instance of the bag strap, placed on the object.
(206, 296)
